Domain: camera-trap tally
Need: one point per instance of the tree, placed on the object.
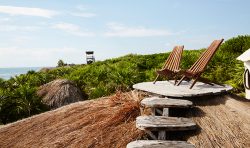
(60, 63)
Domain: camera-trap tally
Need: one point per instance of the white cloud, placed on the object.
(82, 11)
(72, 29)
(6, 28)
(120, 30)
(29, 11)
(83, 14)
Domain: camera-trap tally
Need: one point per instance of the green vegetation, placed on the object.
(18, 97)
(60, 63)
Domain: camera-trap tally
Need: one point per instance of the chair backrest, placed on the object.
(205, 57)
(174, 59)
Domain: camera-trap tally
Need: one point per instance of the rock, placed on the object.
(46, 69)
(60, 92)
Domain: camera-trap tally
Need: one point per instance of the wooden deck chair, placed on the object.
(199, 66)
(172, 64)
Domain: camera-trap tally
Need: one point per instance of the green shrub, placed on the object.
(18, 97)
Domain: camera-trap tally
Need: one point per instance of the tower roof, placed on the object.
(89, 52)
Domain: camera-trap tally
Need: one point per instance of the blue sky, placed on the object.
(40, 32)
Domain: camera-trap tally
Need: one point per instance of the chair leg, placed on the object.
(180, 80)
(156, 79)
(175, 80)
(204, 80)
(195, 80)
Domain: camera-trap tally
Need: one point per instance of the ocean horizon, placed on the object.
(7, 73)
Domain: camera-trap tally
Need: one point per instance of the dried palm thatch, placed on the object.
(105, 122)
(60, 92)
(224, 121)
(46, 69)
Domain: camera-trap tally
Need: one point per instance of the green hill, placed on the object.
(18, 97)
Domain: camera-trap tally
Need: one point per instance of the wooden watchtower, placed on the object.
(90, 57)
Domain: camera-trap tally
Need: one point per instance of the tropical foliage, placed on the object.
(18, 97)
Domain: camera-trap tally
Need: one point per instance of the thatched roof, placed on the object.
(44, 69)
(105, 122)
(224, 121)
(60, 92)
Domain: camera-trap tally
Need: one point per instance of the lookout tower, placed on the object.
(90, 57)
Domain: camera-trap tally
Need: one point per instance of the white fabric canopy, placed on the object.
(245, 56)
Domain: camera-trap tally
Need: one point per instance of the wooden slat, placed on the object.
(172, 64)
(176, 60)
(158, 123)
(159, 144)
(205, 57)
(170, 59)
(162, 135)
(179, 57)
(199, 66)
(156, 102)
(165, 112)
(173, 61)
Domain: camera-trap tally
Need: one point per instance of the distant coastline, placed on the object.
(7, 73)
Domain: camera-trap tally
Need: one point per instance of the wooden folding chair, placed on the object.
(199, 66)
(172, 64)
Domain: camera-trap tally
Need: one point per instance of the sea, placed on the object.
(7, 73)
